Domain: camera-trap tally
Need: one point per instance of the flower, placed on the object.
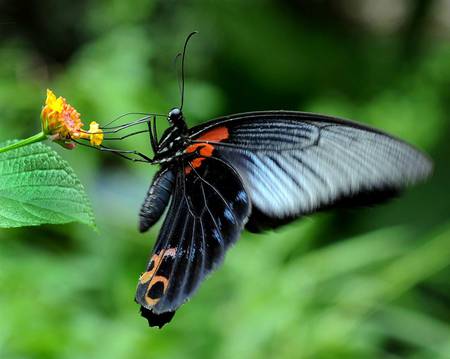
(95, 134)
(61, 123)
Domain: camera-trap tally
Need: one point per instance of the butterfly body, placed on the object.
(256, 170)
(171, 146)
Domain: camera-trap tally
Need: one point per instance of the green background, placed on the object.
(369, 283)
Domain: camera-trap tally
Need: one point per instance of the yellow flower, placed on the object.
(52, 103)
(95, 134)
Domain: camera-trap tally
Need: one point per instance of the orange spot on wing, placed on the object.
(152, 277)
(205, 149)
(156, 279)
(156, 262)
(146, 276)
(195, 163)
(216, 134)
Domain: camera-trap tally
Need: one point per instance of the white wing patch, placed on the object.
(308, 165)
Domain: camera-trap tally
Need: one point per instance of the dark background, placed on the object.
(369, 283)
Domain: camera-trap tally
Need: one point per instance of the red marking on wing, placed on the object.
(205, 149)
(195, 163)
(216, 134)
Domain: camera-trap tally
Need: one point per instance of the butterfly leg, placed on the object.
(124, 136)
(155, 131)
(123, 153)
(153, 135)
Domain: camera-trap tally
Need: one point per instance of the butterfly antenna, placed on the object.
(175, 63)
(182, 66)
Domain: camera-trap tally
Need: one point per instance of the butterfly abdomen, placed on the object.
(156, 200)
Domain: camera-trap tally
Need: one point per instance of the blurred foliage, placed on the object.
(369, 283)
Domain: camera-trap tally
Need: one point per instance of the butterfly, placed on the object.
(254, 171)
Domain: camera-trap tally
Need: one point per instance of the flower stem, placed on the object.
(41, 136)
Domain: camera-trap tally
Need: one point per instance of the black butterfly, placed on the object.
(254, 170)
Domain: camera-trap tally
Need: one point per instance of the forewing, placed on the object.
(296, 163)
(207, 213)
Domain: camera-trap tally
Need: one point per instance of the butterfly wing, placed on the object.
(295, 163)
(208, 210)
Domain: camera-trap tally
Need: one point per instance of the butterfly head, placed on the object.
(176, 119)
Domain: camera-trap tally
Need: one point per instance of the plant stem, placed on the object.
(41, 136)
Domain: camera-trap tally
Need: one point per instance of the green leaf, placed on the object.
(37, 186)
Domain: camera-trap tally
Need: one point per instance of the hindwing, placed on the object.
(208, 210)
